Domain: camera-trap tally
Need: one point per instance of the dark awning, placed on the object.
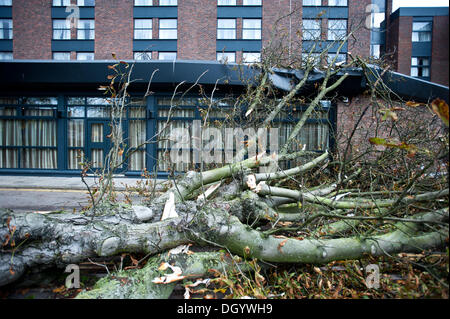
(35, 75)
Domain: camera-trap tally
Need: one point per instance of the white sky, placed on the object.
(418, 3)
(379, 17)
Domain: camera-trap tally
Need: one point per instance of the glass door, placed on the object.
(98, 143)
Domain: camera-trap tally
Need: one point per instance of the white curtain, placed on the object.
(10, 135)
(137, 135)
(75, 136)
(30, 134)
(164, 144)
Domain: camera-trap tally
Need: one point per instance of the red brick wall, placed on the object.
(391, 49)
(32, 29)
(197, 30)
(372, 124)
(288, 28)
(440, 46)
(404, 45)
(113, 29)
(348, 115)
(387, 17)
(356, 21)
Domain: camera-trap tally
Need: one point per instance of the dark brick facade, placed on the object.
(113, 29)
(360, 44)
(278, 24)
(197, 25)
(197, 28)
(440, 46)
(32, 27)
(399, 46)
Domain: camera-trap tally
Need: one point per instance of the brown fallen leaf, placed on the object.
(440, 107)
(413, 104)
(281, 245)
(59, 290)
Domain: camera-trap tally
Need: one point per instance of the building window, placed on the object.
(226, 57)
(167, 28)
(142, 55)
(421, 31)
(143, 29)
(85, 56)
(61, 3)
(251, 57)
(251, 29)
(337, 29)
(6, 55)
(167, 56)
(337, 3)
(5, 2)
(28, 135)
(86, 30)
(420, 67)
(312, 2)
(341, 57)
(226, 29)
(61, 29)
(143, 2)
(6, 29)
(375, 50)
(311, 58)
(86, 3)
(226, 2)
(252, 2)
(61, 55)
(311, 29)
(168, 2)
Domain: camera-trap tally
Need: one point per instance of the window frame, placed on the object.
(309, 31)
(228, 28)
(9, 30)
(67, 29)
(143, 29)
(61, 52)
(338, 5)
(85, 30)
(168, 4)
(247, 4)
(63, 3)
(9, 4)
(331, 31)
(252, 29)
(22, 106)
(312, 5)
(142, 53)
(93, 56)
(143, 5)
(84, 5)
(314, 57)
(250, 52)
(331, 56)
(7, 53)
(160, 28)
(233, 3)
(167, 52)
(419, 32)
(226, 60)
(421, 67)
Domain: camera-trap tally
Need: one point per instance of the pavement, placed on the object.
(54, 193)
(66, 183)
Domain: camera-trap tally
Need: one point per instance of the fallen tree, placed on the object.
(327, 207)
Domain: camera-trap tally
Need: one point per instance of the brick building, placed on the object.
(51, 111)
(169, 29)
(417, 42)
